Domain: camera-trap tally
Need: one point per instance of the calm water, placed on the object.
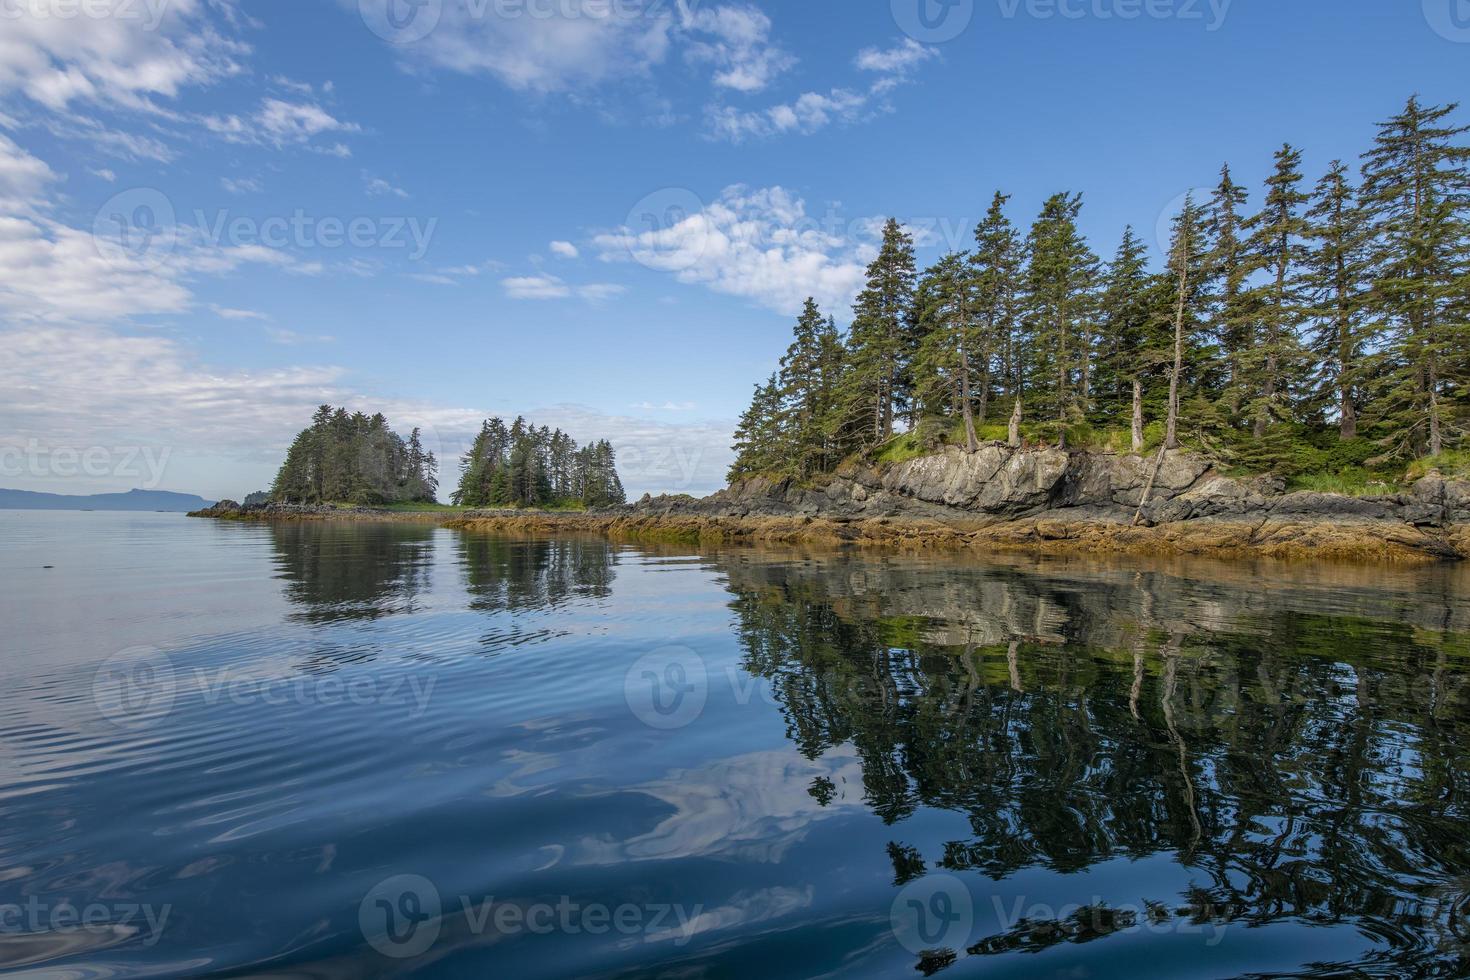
(376, 750)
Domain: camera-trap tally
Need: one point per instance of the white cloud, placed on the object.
(454, 275)
(280, 123)
(290, 338)
(738, 45)
(759, 244)
(535, 287)
(54, 273)
(23, 177)
(241, 185)
(544, 286)
(227, 313)
(103, 138)
(298, 88)
(434, 278)
(378, 187)
(545, 47)
(596, 292)
(807, 114)
(812, 111)
(139, 52)
(564, 250)
(576, 45)
(104, 174)
(897, 60)
(665, 407)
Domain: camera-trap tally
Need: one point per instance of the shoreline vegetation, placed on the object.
(1294, 382)
(1320, 334)
(1001, 499)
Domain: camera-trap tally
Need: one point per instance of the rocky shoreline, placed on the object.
(999, 498)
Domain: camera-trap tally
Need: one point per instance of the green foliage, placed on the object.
(526, 466)
(1353, 481)
(1320, 335)
(901, 448)
(355, 458)
(1455, 463)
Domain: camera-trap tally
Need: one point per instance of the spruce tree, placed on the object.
(1124, 325)
(954, 357)
(1185, 275)
(1061, 275)
(1333, 284)
(998, 260)
(757, 437)
(876, 381)
(1230, 271)
(1278, 250)
(1415, 191)
(805, 391)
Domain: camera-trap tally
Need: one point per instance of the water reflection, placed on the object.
(1125, 768)
(346, 571)
(504, 574)
(1305, 767)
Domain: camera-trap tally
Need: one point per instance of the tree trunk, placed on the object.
(984, 392)
(1148, 488)
(1348, 416)
(1137, 415)
(1014, 434)
(1062, 372)
(1263, 417)
(972, 442)
(1171, 428)
(1436, 438)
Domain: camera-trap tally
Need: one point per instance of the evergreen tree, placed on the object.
(806, 382)
(1415, 189)
(1185, 273)
(357, 459)
(1277, 248)
(1060, 277)
(1230, 271)
(876, 382)
(1333, 284)
(954, 356)
(1125, 321)
(758, 436)
(998, 260)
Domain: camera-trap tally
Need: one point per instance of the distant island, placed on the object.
(136, 500)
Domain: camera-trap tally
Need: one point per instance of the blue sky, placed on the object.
(599, 213)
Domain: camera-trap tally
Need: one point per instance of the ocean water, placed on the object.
(356, 750)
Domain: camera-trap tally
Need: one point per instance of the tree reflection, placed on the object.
(1306, 765)
(511, 574)
(337, 571)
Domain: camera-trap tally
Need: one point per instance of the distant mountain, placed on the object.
(132, 500)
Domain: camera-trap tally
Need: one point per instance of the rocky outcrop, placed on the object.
(1046, 500)
(1055, 500)
(224, 508)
